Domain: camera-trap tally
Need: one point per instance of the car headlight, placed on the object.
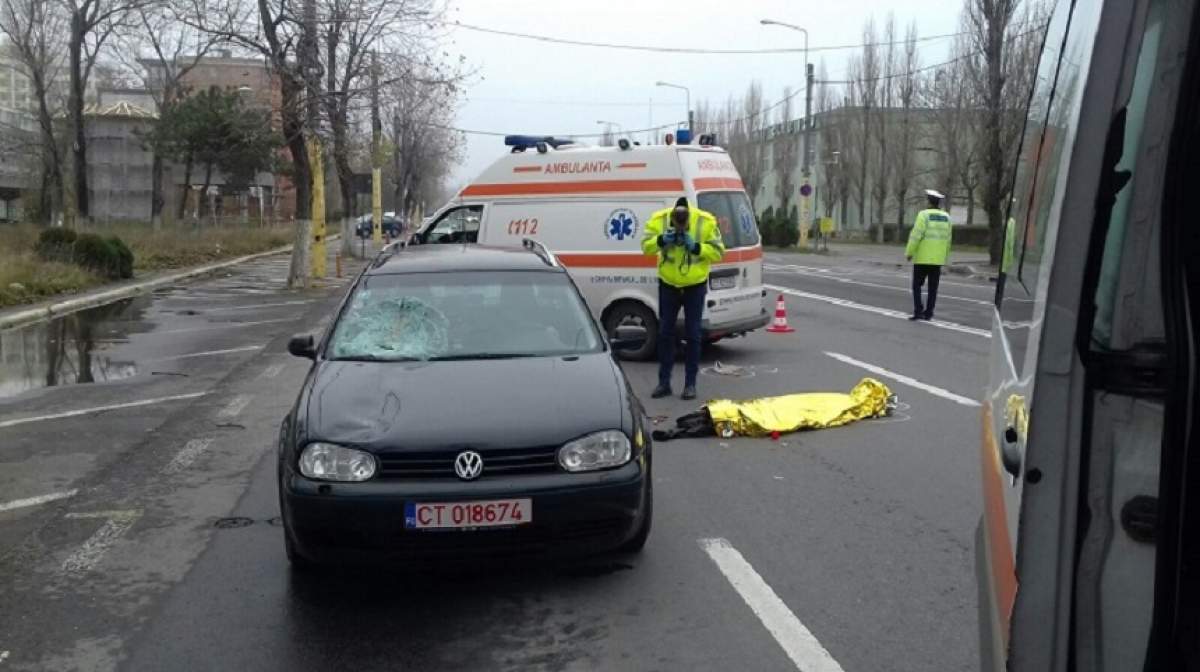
(601, 450)
(327, 462)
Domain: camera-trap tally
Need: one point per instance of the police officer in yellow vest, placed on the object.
(928, 247)
(686, 241)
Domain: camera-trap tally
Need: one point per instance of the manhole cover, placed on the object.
(234, 521)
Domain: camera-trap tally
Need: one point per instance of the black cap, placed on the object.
(682, 202)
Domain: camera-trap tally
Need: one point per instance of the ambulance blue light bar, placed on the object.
(528, 141)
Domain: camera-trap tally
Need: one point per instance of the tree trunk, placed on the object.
(971, 207)
(186, 188)
(156, 192)
(293, 130)
(208, 168)
(75, 102)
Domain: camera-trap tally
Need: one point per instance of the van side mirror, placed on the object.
(628, 337)
(303, 345)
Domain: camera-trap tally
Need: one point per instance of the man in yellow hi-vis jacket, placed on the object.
(686, 241)
(928, 247)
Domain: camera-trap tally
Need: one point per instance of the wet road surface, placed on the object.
(163, 550)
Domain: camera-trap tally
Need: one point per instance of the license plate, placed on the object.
(466, 515)
(726, 282)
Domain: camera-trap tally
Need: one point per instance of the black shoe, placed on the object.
(927, 317)
(913, 318)
(660, 392)
(689, 393)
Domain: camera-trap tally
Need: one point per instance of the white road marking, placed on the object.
(900, 378)
(886, 312)
(234, 407)
(796, 640)
(208, 353)
(35, 501)
(187, 455)
(226, 325)
(92, 550)
(271, 371)
(256, 306)
(100, 409)
(905, 290)
(3, 656)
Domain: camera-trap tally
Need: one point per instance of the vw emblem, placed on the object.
(468, 465)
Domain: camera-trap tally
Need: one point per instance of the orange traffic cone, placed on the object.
(780, 326)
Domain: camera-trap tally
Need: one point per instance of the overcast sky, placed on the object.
(525, 86)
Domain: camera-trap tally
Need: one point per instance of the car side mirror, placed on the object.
(628, 337)
(303, 345)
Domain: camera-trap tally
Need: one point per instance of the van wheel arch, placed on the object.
(632, 310)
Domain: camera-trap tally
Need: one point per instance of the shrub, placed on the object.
(98, 255)
(55, 244)
(124, 258)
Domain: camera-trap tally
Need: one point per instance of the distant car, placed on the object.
(392, 226)
(409, 438)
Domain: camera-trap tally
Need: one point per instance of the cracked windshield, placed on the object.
(554, 335)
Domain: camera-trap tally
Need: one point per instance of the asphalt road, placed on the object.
(144, 537)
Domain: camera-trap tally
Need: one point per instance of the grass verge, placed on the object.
(26, 279)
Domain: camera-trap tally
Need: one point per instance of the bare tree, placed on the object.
(33, 29)
(91, 24)
(423, 145)
(880, 129)
(864, 74)
(162, 48)
(905, 86)
(1002, 75)
(744, 140)
(785, 152)
(834, 133)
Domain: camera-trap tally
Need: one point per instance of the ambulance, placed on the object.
(589, 206)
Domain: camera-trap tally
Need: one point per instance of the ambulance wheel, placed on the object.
(632, 313)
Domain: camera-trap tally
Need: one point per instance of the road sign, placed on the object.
(806, 190)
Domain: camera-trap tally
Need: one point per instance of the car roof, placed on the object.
(464, 257)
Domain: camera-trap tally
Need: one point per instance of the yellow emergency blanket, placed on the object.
(792, 412)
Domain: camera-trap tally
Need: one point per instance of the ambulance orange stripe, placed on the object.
(631, 165)
(717, 183)
(1004, 573)
(527, 169)
(639, 260)
(583, 187)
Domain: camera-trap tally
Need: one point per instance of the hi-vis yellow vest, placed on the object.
(679, 267)
(929, 240)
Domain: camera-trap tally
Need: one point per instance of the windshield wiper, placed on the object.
(374, 358)
(482, 355)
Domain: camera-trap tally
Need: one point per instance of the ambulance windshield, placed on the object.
(734, 216)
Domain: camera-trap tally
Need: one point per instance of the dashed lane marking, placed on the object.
(800, 645)
(271, 371)
(225, 325)
(89, 554)
(234, 407)
(901, 378)
(209, 353)
(100, 409)
(36, 501)
(187, 455)
(876, 285)
(886, 312)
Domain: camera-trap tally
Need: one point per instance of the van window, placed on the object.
(460, 225)
(734, 216)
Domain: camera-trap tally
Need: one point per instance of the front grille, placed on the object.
(505, 462)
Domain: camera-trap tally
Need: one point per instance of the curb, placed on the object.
(102, 297)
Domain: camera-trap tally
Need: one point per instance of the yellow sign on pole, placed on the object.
(826, 225)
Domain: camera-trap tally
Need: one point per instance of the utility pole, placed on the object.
(806, 189)
(312, 76)
(376, 155)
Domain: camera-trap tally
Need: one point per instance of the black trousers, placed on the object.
(921, 272)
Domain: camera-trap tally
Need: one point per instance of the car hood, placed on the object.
(507, 403)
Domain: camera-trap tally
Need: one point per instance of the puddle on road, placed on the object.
(71, 349)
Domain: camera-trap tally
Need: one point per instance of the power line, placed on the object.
(687, 50)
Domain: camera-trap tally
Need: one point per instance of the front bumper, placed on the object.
(573, 515)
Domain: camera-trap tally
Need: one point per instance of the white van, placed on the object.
(589, 206)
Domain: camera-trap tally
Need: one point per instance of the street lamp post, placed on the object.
(806, 187)
(687, 91)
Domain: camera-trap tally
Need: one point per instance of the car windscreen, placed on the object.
(734, 216)
(464, 315)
